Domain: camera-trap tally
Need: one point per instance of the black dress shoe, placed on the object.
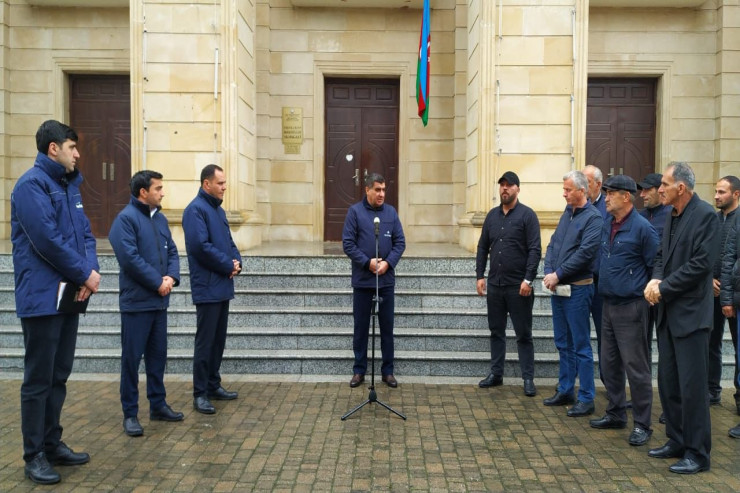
(667, 451)
(491, 381)
(357, 379)
(65, 456)
(734, 432)
(661, 419)
(529, 389)
(390, 381)
(607, 422)
(581, 409)
(203, 405)
(715, 398)
(221, 394)
(640, 436)
(559, 399)
(688, 466)
(628, 404)
(132, 427)
(40, 471)
(165, 413)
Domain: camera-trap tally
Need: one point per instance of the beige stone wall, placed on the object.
(727, 101)
(680, 47)
(296, 49)
(40, 45)
(521, 77)
(193, 102)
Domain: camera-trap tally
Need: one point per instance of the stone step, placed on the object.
(313, 297)
(326, 362)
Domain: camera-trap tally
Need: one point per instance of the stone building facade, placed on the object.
(296, 99)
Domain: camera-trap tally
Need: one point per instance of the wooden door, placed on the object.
(100, 113)
(361, 138)
(620, 126)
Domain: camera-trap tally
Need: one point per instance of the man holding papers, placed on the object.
(52, 243)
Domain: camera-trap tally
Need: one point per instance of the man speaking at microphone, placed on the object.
(366, 221)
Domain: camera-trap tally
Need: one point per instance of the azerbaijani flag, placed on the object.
(422, 67)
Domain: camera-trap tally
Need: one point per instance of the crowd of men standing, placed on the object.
(672, 265)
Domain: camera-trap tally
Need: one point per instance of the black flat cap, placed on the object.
(620, 182)
(650, 181)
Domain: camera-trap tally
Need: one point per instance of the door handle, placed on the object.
(611, 171)
(357, 177)
(621, 171)
(112, 171)
(105, 169)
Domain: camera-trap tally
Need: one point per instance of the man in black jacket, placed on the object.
(682, 288)
(726, 194)
(511, 236)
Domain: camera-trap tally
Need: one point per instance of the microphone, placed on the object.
(377, 225)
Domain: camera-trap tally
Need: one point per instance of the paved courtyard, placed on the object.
(285, 434)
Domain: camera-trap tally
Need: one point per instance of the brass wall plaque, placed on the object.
(292, 130)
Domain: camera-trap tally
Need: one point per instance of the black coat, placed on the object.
(685, 268)
(730, 277)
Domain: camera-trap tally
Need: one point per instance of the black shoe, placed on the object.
(491, 381)
(737, 405)
(559, 399)
(667, 451)
(529, 389)
(607, 422)
(581, 409)
(628, 404)
(639, 436)
(734, 432)
(661, 419)
(203, 405)
(132, 427)
(65, 456)
(40, 471)
(688, 466)
(165, 413)
(715, 398)
(221, 394)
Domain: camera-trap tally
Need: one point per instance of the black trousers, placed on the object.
(503, 300)
(362, 305)
(210, 341)
(715, 349)
(624, 348)
(682, 385)
(50, 351)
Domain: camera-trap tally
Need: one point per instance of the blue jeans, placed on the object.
(572, 330)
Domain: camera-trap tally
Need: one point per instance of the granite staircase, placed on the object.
(293, 315)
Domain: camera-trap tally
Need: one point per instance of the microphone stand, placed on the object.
(373, 397)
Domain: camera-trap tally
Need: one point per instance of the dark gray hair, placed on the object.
(372, 178)
(578, 179)
(683, 173)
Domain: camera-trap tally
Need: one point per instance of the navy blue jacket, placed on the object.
(146, 253)
(51, 236)
(626, 262)
(358, 241)
(210, 249)
(574, 245)
(657, 216)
